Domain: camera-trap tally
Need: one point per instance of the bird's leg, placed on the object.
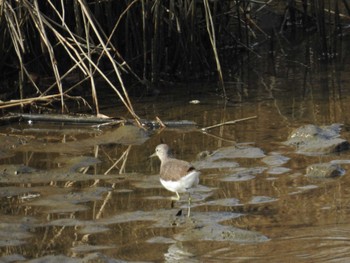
(177, 198)
(189, 205)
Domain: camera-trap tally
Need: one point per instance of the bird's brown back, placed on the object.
(174, 169)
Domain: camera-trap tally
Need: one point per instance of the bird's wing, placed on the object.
(174, 169)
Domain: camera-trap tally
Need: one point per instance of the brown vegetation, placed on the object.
(56, 47)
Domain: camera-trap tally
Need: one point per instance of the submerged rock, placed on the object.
(278, 170)
(262, 199)
(229, 202)
(91, 257)
(275, 160)
(243, 174)
(315, 140)
(324, 170)
(233, 152)
(217, 232)
(223, 158)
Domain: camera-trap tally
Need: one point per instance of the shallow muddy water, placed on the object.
(63, 200)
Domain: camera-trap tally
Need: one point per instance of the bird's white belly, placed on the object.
(183, 184)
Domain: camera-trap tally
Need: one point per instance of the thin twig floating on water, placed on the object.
(227, 123)
(220, 138)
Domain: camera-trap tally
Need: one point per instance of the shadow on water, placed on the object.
(69, 193)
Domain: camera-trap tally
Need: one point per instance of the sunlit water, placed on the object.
(247, 210)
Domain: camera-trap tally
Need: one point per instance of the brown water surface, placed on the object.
(60, 200)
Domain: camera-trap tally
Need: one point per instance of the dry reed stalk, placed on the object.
(155, 41)
(144, 40)
(123, 158)
(76, 48)
(21, 102)
(78, 54)
(170, 34)
(37, 19)
(73, 53)
(109, 42)
(126, 99)
(346, 5)
(91, 73)
(17, 40)
(212, 37)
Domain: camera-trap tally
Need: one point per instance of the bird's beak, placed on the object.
(153, 155)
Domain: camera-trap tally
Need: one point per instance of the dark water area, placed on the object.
(63, 200)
